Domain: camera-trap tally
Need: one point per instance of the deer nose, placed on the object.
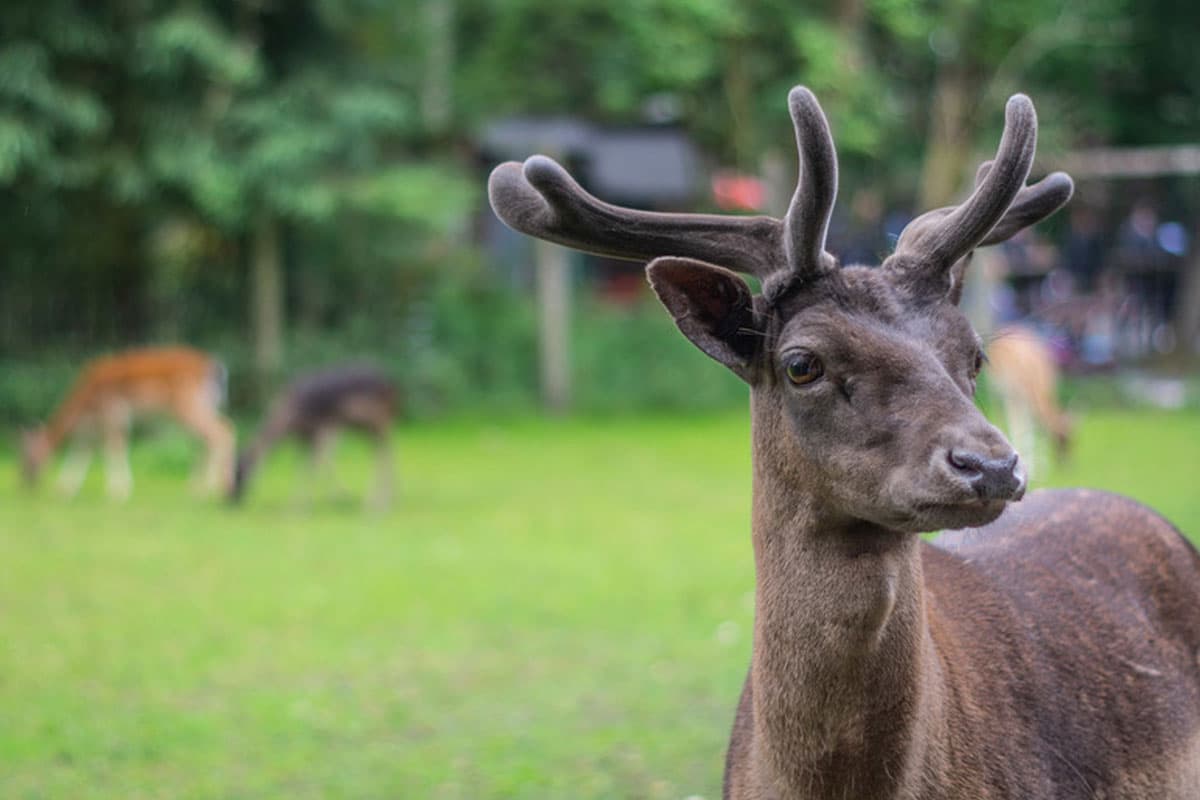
(991, 478)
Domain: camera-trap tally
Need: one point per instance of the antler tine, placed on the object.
(807, 222)
(1031, 205)
(937, 239)
(539, 198)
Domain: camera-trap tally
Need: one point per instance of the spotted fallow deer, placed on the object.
(180, 382)
(1052, 653)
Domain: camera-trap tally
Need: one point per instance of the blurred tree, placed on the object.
(728, 62)
(285, 119)
(958, 60)
(307, 165)
(197, 128)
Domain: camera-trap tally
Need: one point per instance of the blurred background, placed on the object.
(558, 603)
(293, 183)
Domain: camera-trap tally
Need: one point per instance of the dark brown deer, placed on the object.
(314, 408)
(1052, 653)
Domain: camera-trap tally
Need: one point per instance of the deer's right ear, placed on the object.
(712, 306)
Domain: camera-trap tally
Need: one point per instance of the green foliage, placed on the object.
(837, 68)
(141, 145)
(455, 341)
(432, 195)
(30, 390)
(477, 345)
(629, 359)
(288, 146)
(188, 39)
(40, 116)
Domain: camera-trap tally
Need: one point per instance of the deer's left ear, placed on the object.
(713, 308)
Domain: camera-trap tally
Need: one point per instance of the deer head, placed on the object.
(861, 378)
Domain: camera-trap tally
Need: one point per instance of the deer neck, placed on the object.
(60, 426)
(846, 689)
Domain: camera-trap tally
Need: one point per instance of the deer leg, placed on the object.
(75, 465)
(381, 496)
(304, 480)
(115, 427)
(218, 437)
(319, 444)
(223, 443)
(303, 485)
(321, 459)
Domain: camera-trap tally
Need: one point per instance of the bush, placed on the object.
(460, 340)
(634, 359)
(30, 388)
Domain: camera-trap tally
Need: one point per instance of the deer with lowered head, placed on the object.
(313, 409)
(1053, 652)
(111, 391)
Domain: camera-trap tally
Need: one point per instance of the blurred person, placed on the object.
(1083, 250)
(1136, 238)
(1027, 260)
(863, 233)
(1149, 270)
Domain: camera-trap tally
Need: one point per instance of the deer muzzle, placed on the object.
(992, 478)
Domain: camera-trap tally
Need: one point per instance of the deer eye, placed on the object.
(980, 358)
(804, 368)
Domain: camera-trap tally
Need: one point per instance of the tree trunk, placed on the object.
(943, 173)
(740, 97)
(267, 301)
(554, 323)
(438, 76)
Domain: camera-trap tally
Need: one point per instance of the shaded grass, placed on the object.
(551, 610)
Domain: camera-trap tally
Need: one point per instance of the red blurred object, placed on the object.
(738, 192)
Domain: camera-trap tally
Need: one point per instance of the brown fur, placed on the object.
(1058, 660)
(1052, 653)
(180, 382)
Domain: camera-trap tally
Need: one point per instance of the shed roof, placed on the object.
(647, 165)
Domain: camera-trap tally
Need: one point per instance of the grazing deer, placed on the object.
(185, 384)
(1022, 369)
(314, 408)
(1053, 653)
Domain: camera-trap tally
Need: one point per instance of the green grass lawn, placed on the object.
(551, 610)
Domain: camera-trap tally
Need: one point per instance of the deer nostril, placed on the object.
(991, 478)
(965, 460)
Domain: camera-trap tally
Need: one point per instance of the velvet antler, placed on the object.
(934, 241)
(539, 198)
(807, 222)
(1032, 204)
